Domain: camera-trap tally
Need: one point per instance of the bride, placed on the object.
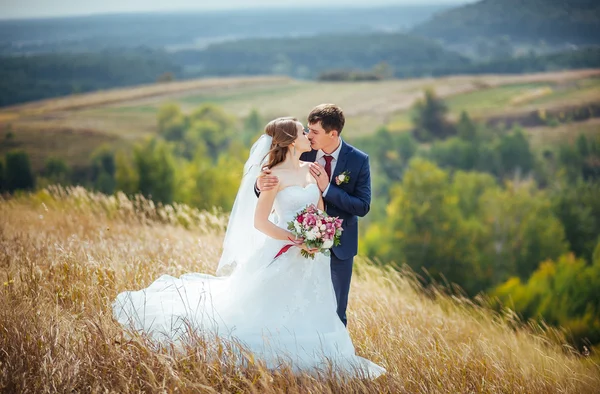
(281, 309)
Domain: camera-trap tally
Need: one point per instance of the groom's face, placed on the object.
(319, 138)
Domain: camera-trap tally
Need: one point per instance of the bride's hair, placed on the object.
(284, 132)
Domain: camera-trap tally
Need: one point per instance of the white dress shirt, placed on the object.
(321, 160)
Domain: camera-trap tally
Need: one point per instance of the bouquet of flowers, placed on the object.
(319, 230)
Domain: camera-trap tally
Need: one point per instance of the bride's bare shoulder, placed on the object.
(305, 165)
(278, 172)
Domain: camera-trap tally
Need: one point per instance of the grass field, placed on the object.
(67, 254)
(547, 136)
(129, 114)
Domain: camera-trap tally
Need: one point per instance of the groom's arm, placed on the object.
(359, 203)
(265, 182)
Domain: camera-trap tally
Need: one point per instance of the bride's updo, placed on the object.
(284, 132)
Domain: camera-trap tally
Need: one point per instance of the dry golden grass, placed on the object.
(65, 255)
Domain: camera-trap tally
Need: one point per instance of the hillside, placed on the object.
(66, 254)
(72, 127)
(305, 57)
(532, 21)
(364, 56)
(30, 77)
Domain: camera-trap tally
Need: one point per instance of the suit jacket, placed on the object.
(350, 200)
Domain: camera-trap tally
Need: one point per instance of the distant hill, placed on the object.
(35, 77)
(327, 57)
(556, 22)
(306, 57)
(195, 30)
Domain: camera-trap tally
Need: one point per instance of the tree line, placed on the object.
(35, 77)
(340, 57)
(477, 206)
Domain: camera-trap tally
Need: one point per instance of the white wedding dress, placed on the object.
(281, 309)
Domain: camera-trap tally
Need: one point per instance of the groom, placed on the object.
(343, 175)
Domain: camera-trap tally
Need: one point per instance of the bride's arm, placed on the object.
(261, 217)
(321, 204)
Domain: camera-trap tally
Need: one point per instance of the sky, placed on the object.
(11, 9)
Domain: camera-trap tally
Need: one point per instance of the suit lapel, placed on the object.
(309, 156)
(342, 161)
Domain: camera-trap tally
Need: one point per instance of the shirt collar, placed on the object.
(335, 154)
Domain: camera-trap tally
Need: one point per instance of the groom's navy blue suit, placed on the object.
(348, 201)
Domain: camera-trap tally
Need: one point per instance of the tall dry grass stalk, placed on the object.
(66, 254)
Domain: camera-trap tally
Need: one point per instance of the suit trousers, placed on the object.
(341, 274)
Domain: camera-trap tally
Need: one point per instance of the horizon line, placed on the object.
(230, 9)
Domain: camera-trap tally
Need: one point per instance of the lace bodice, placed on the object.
(293, 199)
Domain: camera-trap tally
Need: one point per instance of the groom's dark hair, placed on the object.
(330, 115)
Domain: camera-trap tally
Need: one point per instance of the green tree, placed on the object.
(429, 118)
(205, 184)
(455, 153)
(56, 170)
(211, 135)
(126, 176)
(213, 126)
(172, 123)
(524, 229)
(589, 150)
(156, 169)
(18, 173)
(253, 125)
(561, 292)
(213, 113)
(103, 169)
(581, 159)
(424, 228)
(570, 161)
(466, 128)
(469, 187)
(514, 154)
(392, 152)
(577, 206)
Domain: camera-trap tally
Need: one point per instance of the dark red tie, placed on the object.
(328, 159)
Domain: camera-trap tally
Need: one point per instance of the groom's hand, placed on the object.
(266, 181)
(320, 175)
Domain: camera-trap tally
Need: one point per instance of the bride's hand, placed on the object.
(299, 242)
(308, 249)
(266, 181)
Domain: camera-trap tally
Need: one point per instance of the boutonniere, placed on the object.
(344, 177)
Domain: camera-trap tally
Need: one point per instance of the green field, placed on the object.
(122, 116)
(546, 136)
(489, 100)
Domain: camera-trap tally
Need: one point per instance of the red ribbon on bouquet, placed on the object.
(287, 247)
(283, 250)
